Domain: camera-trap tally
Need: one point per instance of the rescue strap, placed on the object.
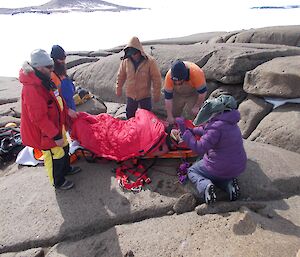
(88, 155)
(126, 171)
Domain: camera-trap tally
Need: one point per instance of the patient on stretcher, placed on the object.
(115, 139)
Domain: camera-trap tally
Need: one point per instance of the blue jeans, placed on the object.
(132, 106)
(199, 176)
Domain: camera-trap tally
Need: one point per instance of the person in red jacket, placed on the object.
(44, 118)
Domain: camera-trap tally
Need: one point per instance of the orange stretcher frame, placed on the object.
(172, 154)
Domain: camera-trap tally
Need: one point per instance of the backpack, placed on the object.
(10, 144)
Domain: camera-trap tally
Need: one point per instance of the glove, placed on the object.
(181, 125)
(199, 131)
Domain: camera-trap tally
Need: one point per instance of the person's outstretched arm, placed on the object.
(205, 143)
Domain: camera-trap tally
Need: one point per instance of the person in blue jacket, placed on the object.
(60, 78)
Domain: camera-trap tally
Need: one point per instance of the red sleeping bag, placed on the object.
(117, 139)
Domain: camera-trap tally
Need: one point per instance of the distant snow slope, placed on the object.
(276, 7)
(62, 6)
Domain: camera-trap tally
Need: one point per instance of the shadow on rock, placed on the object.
(256, 185)
(282, 225)
(266, 219)
(92, 207)
(164, 177)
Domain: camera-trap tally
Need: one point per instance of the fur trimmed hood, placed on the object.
(26, 68)
(27, 75)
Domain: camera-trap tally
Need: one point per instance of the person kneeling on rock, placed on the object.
(220, 146)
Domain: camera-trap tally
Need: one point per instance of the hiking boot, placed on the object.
(210, 194)
(233, 190)
(66, 185)
(73, 170)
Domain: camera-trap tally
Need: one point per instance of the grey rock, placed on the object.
(281, 35)
(10, 89)
(114, 108)
(8, 109)
(228, 63)
(234, 90)
(272, 172)
(276, 78)
(224, 38)
(92, 106)
(37, 252)
(99, 53)
(7, 119)
(280, 128)
(75, 60)
(224, 207)
(186, 40)
(253, 109)
(192, 235)
(185, 203)
(225, 63)
(77, 70)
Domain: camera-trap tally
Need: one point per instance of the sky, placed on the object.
(20, 34)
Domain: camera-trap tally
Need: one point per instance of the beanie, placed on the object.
(82, 92)
(58, 53)
(179, 71)
(40, 58)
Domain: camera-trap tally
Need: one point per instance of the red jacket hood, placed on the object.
(27, 75)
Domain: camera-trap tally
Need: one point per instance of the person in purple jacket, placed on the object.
(220, 147)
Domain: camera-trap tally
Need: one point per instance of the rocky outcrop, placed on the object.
(276, 78)
(10, 106)
(97, 208)
(75, 60)
(252, 110)
(93, 106)
(283, 35)
(249, 70)
(280, 127)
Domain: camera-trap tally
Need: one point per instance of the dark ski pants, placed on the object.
(57, 164)
(132, 106)
(201, 178)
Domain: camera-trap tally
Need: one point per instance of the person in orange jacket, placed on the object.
(184, 89)
(139, 73)
(60, 78)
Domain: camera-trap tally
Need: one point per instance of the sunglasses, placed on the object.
(177, 80)
(50, 67)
